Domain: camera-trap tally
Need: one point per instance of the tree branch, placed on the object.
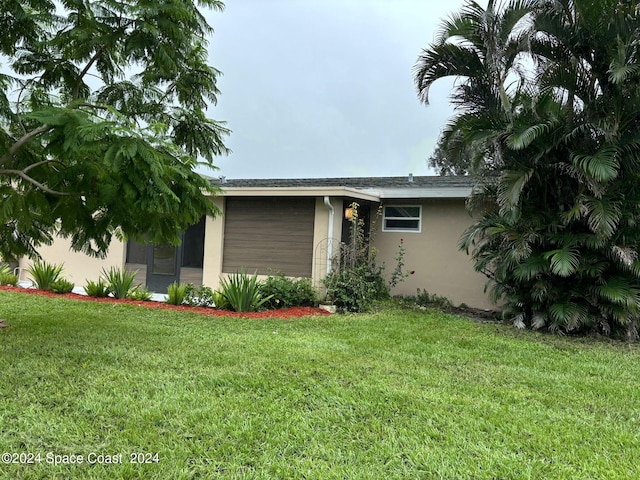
(33, 181)
(91, 105)
(20, 143)
(37, 164)
(86, 69)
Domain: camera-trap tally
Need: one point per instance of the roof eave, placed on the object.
(300, 192)
(427, 192)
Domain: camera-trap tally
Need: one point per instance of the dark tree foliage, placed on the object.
(447, 160)
(550, 93)
(102, 121)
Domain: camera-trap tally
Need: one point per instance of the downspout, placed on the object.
(327, 202)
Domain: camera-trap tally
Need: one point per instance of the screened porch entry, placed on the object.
(158, 266)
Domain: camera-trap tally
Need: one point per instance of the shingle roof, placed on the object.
(352, 182)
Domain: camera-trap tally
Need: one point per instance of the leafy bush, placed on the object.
(426, 299)
(7, 277)
(120, 281)
(356, 281)
(354, 289)
(62, 286)
(140, 293)
(242, 292)
(44, 274)
(177, 293)
(200, 296)
(97, 289)
(288, 292)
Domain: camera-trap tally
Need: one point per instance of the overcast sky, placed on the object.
(324, 88)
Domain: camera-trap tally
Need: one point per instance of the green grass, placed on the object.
(394, 394)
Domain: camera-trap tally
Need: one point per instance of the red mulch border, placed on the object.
(294, 312)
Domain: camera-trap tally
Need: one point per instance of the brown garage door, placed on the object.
(269, 235)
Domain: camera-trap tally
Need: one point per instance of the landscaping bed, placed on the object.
(293, 312)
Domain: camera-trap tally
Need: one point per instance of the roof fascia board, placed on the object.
(445, 192)
(300, 192)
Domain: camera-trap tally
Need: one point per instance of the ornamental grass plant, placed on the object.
(97, 289)
(242, 292)
(120, 281)
(177, 293)
(7, 277)
(44, 274)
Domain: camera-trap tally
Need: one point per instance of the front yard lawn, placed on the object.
(393, 394)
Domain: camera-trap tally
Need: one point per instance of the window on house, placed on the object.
(402, 218)
(136, 252)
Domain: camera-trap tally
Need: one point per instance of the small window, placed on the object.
(402, 218)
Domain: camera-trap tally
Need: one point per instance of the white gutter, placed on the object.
(327, 202)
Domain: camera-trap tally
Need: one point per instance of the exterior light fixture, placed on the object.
(348, 213)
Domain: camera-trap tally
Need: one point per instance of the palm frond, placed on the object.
(523, 137)
(620, 291)
(530, 268)
(603, 215)
(539, 320)
(603, 166)
(541, 289)
(569, 315)
(621, 69)
(564, 261)
(510, 188)
(441, 61)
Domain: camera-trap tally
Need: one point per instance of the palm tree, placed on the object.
(558, 225)
(481, 48)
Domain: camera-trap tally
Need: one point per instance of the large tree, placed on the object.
(481, 48)
(103, 120)
(558, 221)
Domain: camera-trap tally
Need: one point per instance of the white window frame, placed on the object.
(403, 230)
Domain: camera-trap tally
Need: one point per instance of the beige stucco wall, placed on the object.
(433, 253)
(323, 245)
(77, 267)
(439, 266)
(213, 242)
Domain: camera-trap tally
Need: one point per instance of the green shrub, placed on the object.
(200, 296)
(97, 289)
(44, 274)
(140, 293)
(7, 277)
(177, 293)
(120, 281)
(426, 299)
(287, 292)
(354, 289)
(242, 292)
(357, 280)
(62, 286)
